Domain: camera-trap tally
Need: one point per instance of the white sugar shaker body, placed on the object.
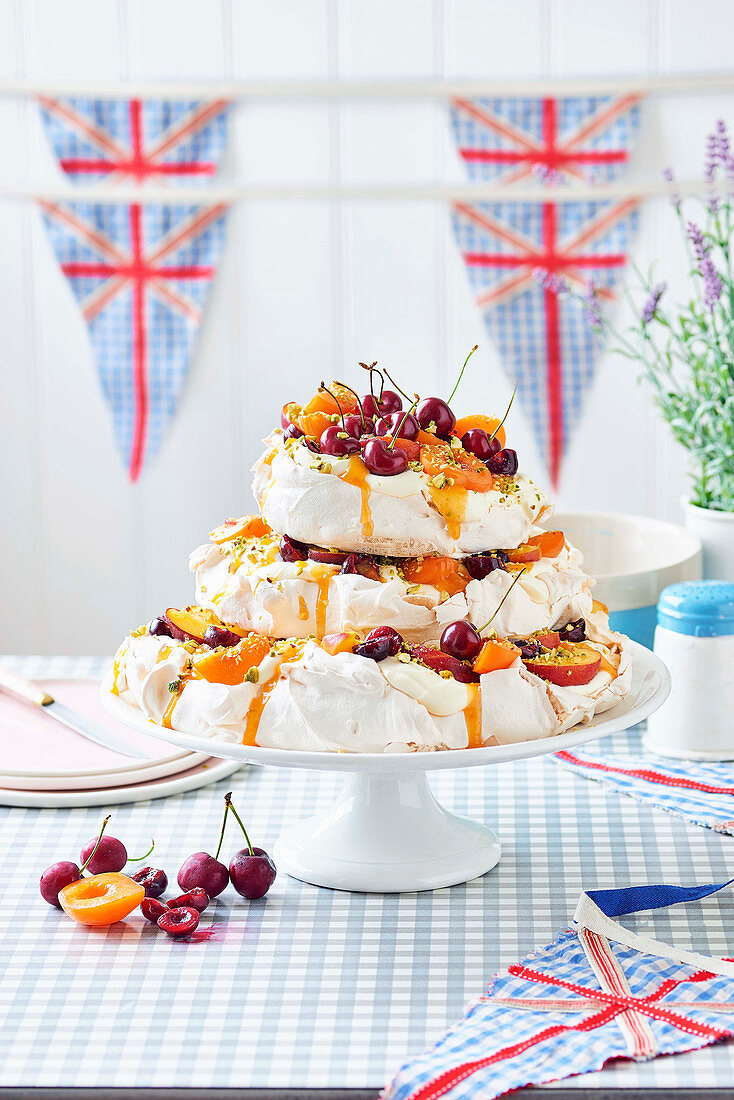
(695, 639)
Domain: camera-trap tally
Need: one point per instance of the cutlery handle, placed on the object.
(24, 689)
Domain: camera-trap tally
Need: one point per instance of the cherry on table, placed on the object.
(104, 853)
(251, 870)
(461, 640)
(195, 899)
(55, 878)
(179, 922)
(383, 460)
(152, 879)
(205, 871)
(504, 462)
(382, 642)
(152, 909)
(433, 414)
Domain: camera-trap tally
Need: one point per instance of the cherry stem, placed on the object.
(88, 860)
(139, 859)
(461, 373)
(224, 822)
(373, 367)
(396, 433)
(499, 605)
(228, 800)
(334, 398)
(356, 397)
(397, 387)
(494, 433)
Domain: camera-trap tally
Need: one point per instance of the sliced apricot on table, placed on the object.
(101, 899)
(489, 424)
(246, 527)
(230, 666)
(446, 574)
(460, 468)
(494, 655)
(550, 543)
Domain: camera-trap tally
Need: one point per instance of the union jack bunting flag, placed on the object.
(545, 340)
(598, 992)
(140, 272)
(702, 793)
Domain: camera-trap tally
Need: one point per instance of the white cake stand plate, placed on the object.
(387, 833)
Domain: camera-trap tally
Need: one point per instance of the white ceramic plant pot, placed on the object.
(716, 531)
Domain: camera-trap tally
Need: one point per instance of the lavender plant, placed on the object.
(687, 350)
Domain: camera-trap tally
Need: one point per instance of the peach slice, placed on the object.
(569, 665)
(524, 554)
(101, 899)
(494, 655)
(247, 527)
(230, 666)
(339, 643)
(189, 622)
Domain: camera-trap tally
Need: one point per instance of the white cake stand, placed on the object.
(387, 833)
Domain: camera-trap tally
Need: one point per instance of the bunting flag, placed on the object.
(599, 992)
(700, 791)
(140, 272)
(516, 253)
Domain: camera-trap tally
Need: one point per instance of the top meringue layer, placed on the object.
(336, 502)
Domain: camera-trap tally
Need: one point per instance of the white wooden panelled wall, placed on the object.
(305, 289)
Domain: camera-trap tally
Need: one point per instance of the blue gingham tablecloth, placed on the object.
(311, 987)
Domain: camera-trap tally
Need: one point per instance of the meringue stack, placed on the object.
(274, 652)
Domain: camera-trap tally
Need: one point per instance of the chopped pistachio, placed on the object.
(252, 675)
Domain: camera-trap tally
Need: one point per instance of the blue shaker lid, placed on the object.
(701, 608)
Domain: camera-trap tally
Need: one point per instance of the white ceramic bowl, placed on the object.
(633, 558)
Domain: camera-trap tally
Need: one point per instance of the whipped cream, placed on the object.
(307, 497)
(343, 702)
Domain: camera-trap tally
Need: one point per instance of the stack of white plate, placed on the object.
(43, 763)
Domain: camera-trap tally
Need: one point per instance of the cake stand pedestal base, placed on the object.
(387, 834)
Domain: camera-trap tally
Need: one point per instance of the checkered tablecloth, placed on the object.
(312, 987)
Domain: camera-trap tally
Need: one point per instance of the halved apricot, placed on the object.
(525, 553)
(461, 468)
(489, 424)
(230, 666)
(101, 899)
(495, 654)
(443, 573)
(411, 447)
(550, 543)
(247, 527)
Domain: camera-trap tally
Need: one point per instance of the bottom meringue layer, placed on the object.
(305, 699)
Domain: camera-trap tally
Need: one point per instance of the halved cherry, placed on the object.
(189, 623)
(230, 666)
(489, 424)
(327, 557)
(524, 554)
(443, 662)
(550, 543)
(247, 527)
(569, 665)
(339, 643)
(446, 574)
(458, 466)
(101, 899)
(496, 653)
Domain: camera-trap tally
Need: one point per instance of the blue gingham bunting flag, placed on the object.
(701, 792)
(598, 992)
(140, 272)
(545, 340)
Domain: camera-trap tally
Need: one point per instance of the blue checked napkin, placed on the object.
(598, 992)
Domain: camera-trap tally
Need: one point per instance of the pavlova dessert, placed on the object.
(397, 592)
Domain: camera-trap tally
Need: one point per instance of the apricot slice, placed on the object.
(443, 573)
(230, 666)
(456, 464)
(597, 605)
(524, 553)
(411, 447)
(247, 527)
(489, 424)
(550, 543)
(339, 643)
(569, 665)
(101, 899)
(494, 655)
(189, 622)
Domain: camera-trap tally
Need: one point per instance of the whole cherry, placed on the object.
(477, 442)
(504, 462)
(357, 425)
(152, 879)
(159, 628)
(220, 636)
(382, 459)
(461, 640)
(55, 878)
(335, 441)
(434, 415)
(251, 870)
(106, 853)
(205, 871)
(405, 426)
